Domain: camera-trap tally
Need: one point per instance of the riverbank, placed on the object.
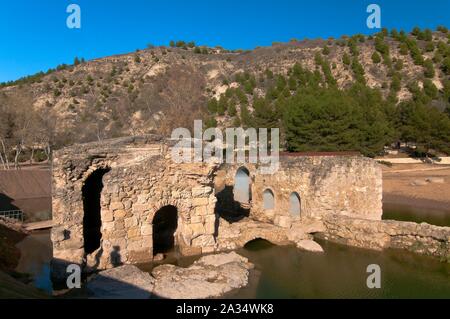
(12, 283)
(422, 186)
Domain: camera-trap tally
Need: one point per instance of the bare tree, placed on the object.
(17, 132)
(184, 96)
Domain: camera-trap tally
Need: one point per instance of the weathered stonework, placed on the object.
(422, 239)
(347, 185)
(141, 178)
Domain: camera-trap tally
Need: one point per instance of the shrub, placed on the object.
(376, 58)
(429, 69)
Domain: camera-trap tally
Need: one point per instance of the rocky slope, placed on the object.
(158, 89)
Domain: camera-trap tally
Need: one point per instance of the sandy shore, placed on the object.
(418, 185)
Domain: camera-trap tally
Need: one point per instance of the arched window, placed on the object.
(294, 204)
(242, 183)
(268, 200)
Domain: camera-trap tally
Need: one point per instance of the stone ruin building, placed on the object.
(125, 201)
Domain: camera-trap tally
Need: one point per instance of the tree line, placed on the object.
(315, 115)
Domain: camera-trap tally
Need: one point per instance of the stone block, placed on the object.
(140, 208)
(107, 216)
(142, 199)
(147, 241)
(127, 204)
(133, 232)
(283, 221)
(201, 211)
(58, 234)
(107, 226)
(119, 225)
(199, 192)
(147, 230)
(119, 214)
(134, 245)
(118, 234)
(208, 250)
(197, 229)
(200, 201)
(131, 222)
(190, 251)
(140, 256)
(204, 241)
(116, 206)
(196, 219)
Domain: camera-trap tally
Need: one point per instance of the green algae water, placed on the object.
(417, 215)
(287, 272)
(340, 273)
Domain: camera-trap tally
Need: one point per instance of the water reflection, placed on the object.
(287, 272)
(36, 255)
(417, 215)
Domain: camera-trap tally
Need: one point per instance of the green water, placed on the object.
(287, 272)
(417, 215)
(341, 272)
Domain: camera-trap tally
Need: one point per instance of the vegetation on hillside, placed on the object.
(354, 93)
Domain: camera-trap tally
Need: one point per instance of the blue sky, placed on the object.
(34, 35)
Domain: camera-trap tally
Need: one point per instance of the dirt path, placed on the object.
(419, 185)
(418, 170)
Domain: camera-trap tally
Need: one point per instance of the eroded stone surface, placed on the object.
(211, 276)
(142, 178)
(309, 245)
(125, 282)
(422, 239)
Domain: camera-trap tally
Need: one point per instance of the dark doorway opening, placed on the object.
(92, 222)
(165, 224)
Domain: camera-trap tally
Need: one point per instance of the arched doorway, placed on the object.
(165, 224)
(295, 204)
(268, 200)
(91, 192)
(242, 182)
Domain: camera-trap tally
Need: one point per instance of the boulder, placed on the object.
(310, 245)
(209, 277)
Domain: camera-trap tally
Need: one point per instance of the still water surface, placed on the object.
(287, 272)
(417, 215)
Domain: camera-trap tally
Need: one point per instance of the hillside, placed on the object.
(161, 88)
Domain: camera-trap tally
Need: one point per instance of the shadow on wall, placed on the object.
(233, 202)
(228, 208)
(6, 203)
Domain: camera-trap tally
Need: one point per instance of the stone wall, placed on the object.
(418, 238)
(141, 179)
(345, 185)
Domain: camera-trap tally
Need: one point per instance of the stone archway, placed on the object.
(91, 193)
(165, 224)
(268, 200)
(242, 186)
(295, 204)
